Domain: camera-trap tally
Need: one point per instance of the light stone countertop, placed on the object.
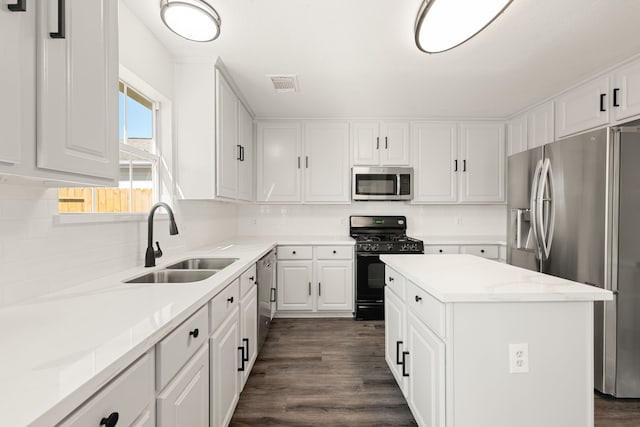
(468, 278)
(462, 240)
(59, 349)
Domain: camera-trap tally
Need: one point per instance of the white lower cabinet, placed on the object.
(394, 336)
(185, 401)
(315, 279)
(225, 362)
(127, 400)
(248, 332)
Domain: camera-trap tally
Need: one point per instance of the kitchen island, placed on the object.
(475, 343)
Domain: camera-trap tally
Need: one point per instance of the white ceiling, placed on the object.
(358, 57)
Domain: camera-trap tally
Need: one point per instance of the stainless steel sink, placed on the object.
(173, 276)
(203, 264)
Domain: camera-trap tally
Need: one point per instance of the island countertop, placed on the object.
(468, 278)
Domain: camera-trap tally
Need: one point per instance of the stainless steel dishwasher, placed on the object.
(266, 272)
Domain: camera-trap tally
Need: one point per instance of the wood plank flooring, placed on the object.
(320, 372)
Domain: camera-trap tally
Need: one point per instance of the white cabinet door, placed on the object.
(426, 369)
(517, 134)
(225, 361)
(436, 162)
(249, 332)
(77, 81)
(279, 162)
(483, 162)
(540, 125)
(246, 163)
(394, 336)
(626, 91)
(294, 285)
(395, 147)
(335, 285)
(17, 29)
(185, 401)
(326, 162)
(365, 139)
(227, 146)
(583, 108)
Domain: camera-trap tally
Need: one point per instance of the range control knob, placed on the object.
(389, 246)
(414, 246)
(375, 247)
(366, 247)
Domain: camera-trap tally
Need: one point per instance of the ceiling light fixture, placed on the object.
(194, 20)
(444, 24)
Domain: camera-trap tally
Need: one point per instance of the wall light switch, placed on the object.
(518, 358)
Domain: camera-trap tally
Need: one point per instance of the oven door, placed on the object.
(369, 279)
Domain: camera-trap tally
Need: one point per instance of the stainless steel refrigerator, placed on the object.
(574, 212)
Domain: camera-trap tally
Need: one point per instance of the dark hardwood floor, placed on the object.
(321, 372)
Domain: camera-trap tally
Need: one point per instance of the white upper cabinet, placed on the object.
(16, 32)
(540, 125)
(380, 143)
(77, 116)
(326, 162)
(436, 162)
(214, 135)
(279, 162)
(517, 134)
(228, 149)
(583, 108)
(626, 91)
(482, 151)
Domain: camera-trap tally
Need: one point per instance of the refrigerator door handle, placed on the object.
(532, 207)
(545, 215)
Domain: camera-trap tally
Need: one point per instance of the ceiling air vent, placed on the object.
(284, 83)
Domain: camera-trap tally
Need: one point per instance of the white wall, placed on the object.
(422, 220)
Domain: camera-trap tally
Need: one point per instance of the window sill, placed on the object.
(96, 218)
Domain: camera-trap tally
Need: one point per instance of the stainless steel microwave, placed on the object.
(379, 183)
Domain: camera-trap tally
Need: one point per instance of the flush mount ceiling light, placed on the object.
(194, 20)
(444, 24)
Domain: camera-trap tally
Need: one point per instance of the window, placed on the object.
(138, 180)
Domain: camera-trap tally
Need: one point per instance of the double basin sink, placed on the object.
(186, 271)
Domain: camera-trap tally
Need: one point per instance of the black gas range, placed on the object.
(376, 235)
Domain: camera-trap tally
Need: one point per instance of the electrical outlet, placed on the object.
(518, 358)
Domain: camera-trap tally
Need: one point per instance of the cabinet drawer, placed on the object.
(394, 281)
(223, 304)
(427, 308)
(334, 252)
(129, 394)
(442, 249)
(295, 252)
(485, 251)
(176, 348)
(247, 280)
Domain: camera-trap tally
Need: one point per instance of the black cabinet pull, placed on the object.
(298, 162)
(398, 345)
(239, 152)
(245, 356)
(241, 368)
(230, 299)
(60, 34)
(194, 333)
(481, 251)
(19, 6)
(391, 279)
(404, 363)
(319, 289)
(615, 97)
(464, 165)
(602, 97)
(386, 143)
(440, 250)
(242, 153)
(293, 252)
(251, 278)
(309, 288)
(273, 295)
(418, 299)
(111, 420)
(377, 142)
(334, 252)
(306, 162)
(455, 162)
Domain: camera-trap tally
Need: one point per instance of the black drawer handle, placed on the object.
(481, 251)
(391, 279)
(252, 278)
(245, 356)
(404, 363)
(440, 251)
(334, 252)
(20, 6)
(293, 252)
(456, 165)
(418, 299)
(60, 34)
(602, 97)
(398, 345)
(230, 299)
(241, 368)
(194, 333)
(111, 420)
